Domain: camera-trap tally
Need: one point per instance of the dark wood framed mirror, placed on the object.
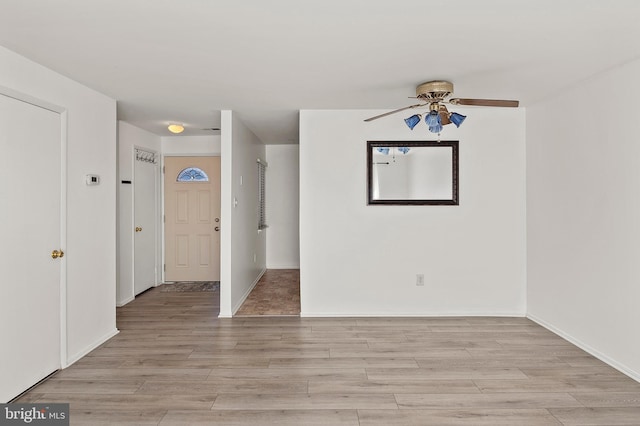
(412, 173)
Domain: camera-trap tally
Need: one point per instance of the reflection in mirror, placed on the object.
(412, 172)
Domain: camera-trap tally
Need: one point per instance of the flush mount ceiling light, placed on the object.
(434, 94)
(176, 128)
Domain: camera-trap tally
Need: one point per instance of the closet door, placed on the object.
(31, 256)
(145, 220)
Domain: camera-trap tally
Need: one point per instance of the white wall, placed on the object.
(282, 206)
(583, 197)
(191, 145)
(130, 137)
(91, 212)
(242, 246)
(363, 260)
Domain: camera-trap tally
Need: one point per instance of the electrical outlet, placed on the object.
(420, 280)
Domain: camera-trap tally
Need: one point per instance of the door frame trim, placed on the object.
(63, 238)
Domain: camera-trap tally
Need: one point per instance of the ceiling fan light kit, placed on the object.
(434, 94)
(456, 118)
(413, 120)
(433, 121)
(444, 115)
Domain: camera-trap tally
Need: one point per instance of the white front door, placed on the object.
(30, 194)
(144, 206)
(192, 218)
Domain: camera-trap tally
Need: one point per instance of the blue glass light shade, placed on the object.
(434, 122)
(404, 149)
(384, 151)
(456, 118)
(413, 120)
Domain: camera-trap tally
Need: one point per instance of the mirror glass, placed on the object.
(412, 172)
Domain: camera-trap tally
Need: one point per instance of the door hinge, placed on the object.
(162, 169)
(164, 267)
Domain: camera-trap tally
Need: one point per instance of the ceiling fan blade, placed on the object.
(394, 111)
(484, 102)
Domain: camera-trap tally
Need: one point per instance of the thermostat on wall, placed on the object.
(93, 180)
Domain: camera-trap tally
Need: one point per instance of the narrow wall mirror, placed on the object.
(412, 173)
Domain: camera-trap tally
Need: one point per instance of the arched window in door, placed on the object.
(192, 174)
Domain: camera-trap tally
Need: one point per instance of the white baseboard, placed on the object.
(246, 294)
(410, 314)
(121, 303)
(82, 353)
(602, 357)
(284, 266)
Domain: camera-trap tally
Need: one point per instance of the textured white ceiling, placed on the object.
(185, 60)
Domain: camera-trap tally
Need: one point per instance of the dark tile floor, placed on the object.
(277, 293)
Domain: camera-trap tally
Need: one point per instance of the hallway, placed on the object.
(277, 293)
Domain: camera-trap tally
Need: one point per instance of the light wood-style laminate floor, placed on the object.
(175, 363)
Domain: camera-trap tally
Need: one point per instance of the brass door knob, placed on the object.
(56, 254)
(138, 229)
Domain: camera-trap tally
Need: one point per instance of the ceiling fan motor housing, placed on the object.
(434, 90)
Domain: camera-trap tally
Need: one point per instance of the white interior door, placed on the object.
(192, 218)
(145, 204)
(30, 194)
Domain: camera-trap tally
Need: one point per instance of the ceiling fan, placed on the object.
(435, 94)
